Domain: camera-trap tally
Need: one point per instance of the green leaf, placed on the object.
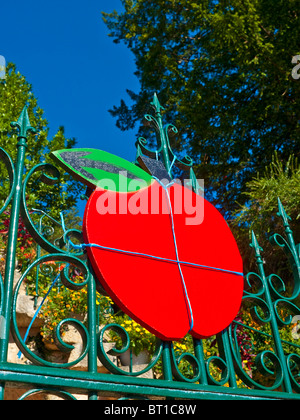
(96, 168)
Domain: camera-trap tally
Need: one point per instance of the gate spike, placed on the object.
(282, 213)
(23, 124)
(156, 104)
(254, 244)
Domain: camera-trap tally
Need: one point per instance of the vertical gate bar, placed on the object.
(163, 140)
(228, 358)
(23, 124)
(199, 354)
(38, 254)
(166, 360)
(274, 327)
(92, 328)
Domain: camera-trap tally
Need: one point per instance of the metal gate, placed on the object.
(218, 368)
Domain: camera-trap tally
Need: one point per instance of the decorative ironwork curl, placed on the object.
(186, 162)
(262, 362)
(70, 284)
(67, 348)
(149, 120)
(257, 302)
(254, 281)
(35, 359)
(277, 287)
(141, 147)
(103, 353)
(40, 391)
(277, 372)
(283, 303)
(220, 363)
(193, 363)
(39, 235)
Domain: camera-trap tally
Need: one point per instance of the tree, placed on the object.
(279, 180)
(15, 92)
(223, 71)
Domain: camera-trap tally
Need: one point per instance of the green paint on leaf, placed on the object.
(96, 168)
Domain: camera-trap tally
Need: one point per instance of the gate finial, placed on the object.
(23, 124)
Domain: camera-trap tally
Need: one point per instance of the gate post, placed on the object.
(23, 124)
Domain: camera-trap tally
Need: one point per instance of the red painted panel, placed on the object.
(152, 291)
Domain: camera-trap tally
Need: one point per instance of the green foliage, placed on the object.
(223, 71)
(140, 338)
(15, 92)
(64, 303)
(279, 180)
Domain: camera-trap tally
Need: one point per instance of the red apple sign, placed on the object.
(147, 232)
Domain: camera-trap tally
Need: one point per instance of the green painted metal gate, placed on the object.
(217, 368)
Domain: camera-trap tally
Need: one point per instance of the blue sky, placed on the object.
(76, 70)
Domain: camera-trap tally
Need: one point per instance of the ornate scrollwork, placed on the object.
(39, 233)
(286, 317)
(269, 364)
(243, 348)
(221, 364)
(104, 353)
(271, 314)
(266, 363)
(259, 310)
(72, 263)
(192, 371)
(254, 285)
(163, 135)
(64, 395)
(67, 281)
(67, 348)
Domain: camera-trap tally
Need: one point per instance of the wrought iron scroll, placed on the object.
(35, 359)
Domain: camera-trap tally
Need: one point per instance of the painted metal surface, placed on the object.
(266, 296)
